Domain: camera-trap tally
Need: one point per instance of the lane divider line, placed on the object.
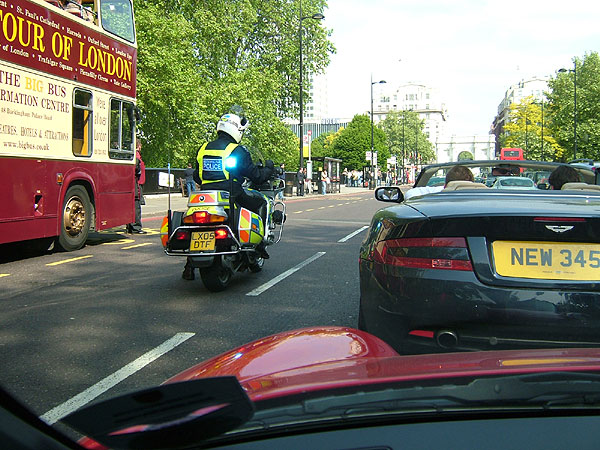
(136, 245)
(259, 290)
(62, 410)
(4, 275)
(354, 233)
(64, 261)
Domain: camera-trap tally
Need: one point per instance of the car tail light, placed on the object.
(425, 253)
(221, 233)
(204, 217)
(558, 219)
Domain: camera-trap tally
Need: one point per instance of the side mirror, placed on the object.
(543, 186)
(389, 194)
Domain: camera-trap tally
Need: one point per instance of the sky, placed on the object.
(471, 51)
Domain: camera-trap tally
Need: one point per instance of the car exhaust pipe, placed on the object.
(446, 339)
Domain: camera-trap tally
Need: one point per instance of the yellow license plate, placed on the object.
(202, 241)
(547, 260)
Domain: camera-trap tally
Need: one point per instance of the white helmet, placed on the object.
(233, 125)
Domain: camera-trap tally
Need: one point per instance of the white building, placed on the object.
(481, 147)
(425, 101)
(317, 108)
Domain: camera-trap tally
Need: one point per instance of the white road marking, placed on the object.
(259, 290)
(64, 261)
(83, 398)
(354, 233)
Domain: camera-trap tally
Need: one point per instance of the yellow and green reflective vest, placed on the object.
(211, 163)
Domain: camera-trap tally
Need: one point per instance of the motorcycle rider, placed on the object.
(223, 158)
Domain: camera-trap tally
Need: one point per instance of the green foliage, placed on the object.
(323, 145)
(561, 108)
(197, 59)
(465, 156)
(404, 133)
(524, 130)
(353, 142)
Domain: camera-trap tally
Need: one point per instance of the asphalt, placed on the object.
(157, 204)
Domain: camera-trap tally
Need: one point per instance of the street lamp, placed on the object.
(316, 16)
(574, 70)
(372, 182)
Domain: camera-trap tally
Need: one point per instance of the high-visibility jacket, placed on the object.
(217, 176)
(211, 163)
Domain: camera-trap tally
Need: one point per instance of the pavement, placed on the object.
(157, 204)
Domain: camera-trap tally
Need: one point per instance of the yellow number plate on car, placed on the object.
(547, 260)
(202, 241)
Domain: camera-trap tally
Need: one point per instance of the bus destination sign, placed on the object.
(57, 44)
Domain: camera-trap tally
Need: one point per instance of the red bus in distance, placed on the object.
(511, 154)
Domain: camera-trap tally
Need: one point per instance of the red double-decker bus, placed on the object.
(67, 118)
(513, 154)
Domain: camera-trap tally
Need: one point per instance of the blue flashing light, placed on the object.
(230, 162)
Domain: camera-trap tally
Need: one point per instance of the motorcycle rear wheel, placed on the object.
(216, 277)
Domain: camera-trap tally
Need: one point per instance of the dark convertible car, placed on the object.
(475, 268)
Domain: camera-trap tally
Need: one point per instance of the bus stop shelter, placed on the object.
(334, 170)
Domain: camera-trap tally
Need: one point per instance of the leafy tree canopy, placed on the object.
(353, 142)
(526, 128)
(197, 59)
(561, 108)
(404, 133)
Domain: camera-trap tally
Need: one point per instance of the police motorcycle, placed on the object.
(220, 237)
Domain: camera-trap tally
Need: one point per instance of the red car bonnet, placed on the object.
(322, 358)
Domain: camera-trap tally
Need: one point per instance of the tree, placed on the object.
(404, 133)
(465, 156)
(323, 145)
(196, 60)
(562, 106)
(353, 142)
(524, 130)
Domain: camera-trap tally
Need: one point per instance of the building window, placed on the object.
(82, 122)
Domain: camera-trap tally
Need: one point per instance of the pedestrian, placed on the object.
(140, 179)
(307, 182)
(190, 184)
(300, 182)
(281, 176)
(324, 178)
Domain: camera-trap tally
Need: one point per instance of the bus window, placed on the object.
(82, 122)
(117, 18)
(122, 129)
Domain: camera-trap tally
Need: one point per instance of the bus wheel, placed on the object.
(76, 217)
